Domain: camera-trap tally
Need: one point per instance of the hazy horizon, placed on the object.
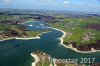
(65, 5)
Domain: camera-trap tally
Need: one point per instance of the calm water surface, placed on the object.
(17, 52)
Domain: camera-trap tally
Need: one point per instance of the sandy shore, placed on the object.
(37, 37)
(80, 51)
(71, 47)
(36, 59)
(6, 39)
(64, 34)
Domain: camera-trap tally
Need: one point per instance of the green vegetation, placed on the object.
(35, 33)
(9, 31)
(3, 17)
(76, 30)
(9, 27)
(3, 27)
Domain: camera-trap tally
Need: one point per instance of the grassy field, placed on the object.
(5, 28)
(75, 29)
(3, 17)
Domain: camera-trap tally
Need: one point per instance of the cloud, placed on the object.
(66, 2)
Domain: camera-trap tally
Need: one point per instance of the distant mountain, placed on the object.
(47, 12)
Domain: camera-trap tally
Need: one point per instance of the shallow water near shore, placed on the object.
(18, 52)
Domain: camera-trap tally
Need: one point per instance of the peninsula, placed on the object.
(43, 59)
(82, 32)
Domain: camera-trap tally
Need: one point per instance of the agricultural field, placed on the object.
(10, 31)
(80, 30)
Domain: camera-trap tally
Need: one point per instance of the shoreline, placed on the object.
(37, 37)
(26, 22)
(75, 49)
(36, 59)
(19, 38)
(92, 51)
(61, 43)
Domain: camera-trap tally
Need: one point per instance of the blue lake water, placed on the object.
(17, 52)
(36, 25)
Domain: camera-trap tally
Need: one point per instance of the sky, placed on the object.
(67, 5)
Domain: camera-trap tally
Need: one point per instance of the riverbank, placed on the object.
(70, 46)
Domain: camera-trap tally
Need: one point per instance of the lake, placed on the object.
(18, 52)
